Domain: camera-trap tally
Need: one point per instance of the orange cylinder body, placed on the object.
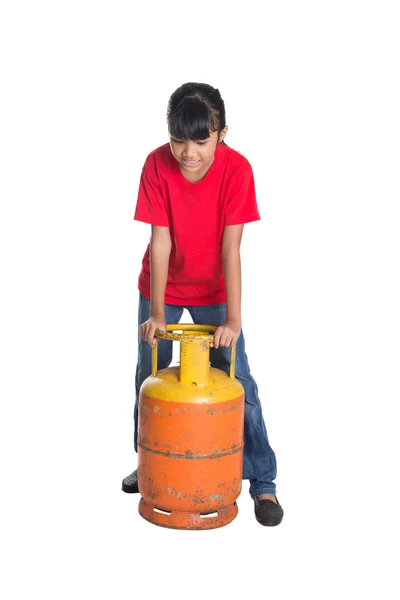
(190, 447)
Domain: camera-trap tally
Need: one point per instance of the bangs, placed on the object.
(192, 120)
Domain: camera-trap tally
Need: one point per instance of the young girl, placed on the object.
(196, 193)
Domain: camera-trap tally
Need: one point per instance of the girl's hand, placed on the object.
(226, 334)
(148, 328)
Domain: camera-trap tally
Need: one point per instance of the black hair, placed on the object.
(194, 110)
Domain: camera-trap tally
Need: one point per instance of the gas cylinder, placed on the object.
(190, 436)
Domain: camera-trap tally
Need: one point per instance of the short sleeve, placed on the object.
(150, 206)
(241, 205)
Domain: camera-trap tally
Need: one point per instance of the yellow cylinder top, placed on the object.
(194, 381)
(166, 385)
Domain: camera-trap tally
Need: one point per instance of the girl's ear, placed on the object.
(223, 133)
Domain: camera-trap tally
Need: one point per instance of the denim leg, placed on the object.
(143, 368)
(259, 463)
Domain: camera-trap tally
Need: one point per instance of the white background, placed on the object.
(312, 100)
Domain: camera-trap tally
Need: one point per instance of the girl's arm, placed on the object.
(227, 334)
(160, 250)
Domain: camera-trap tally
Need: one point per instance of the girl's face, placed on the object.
(196, 157)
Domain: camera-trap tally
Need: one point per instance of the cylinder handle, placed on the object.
(191, 333)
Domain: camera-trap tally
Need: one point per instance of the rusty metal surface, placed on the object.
(187, 520)
(194, 351)
(190, 485)
(190, 429)
(190, 459)
(177, 337)
(166, 385)
(190, 438)
(196, 332)
(189, 455)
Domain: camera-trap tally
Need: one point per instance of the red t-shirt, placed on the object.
(196, 214)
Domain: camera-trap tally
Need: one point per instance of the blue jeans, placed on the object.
(259, 464)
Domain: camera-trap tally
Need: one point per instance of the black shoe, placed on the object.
(130, 484)
(267, 512)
